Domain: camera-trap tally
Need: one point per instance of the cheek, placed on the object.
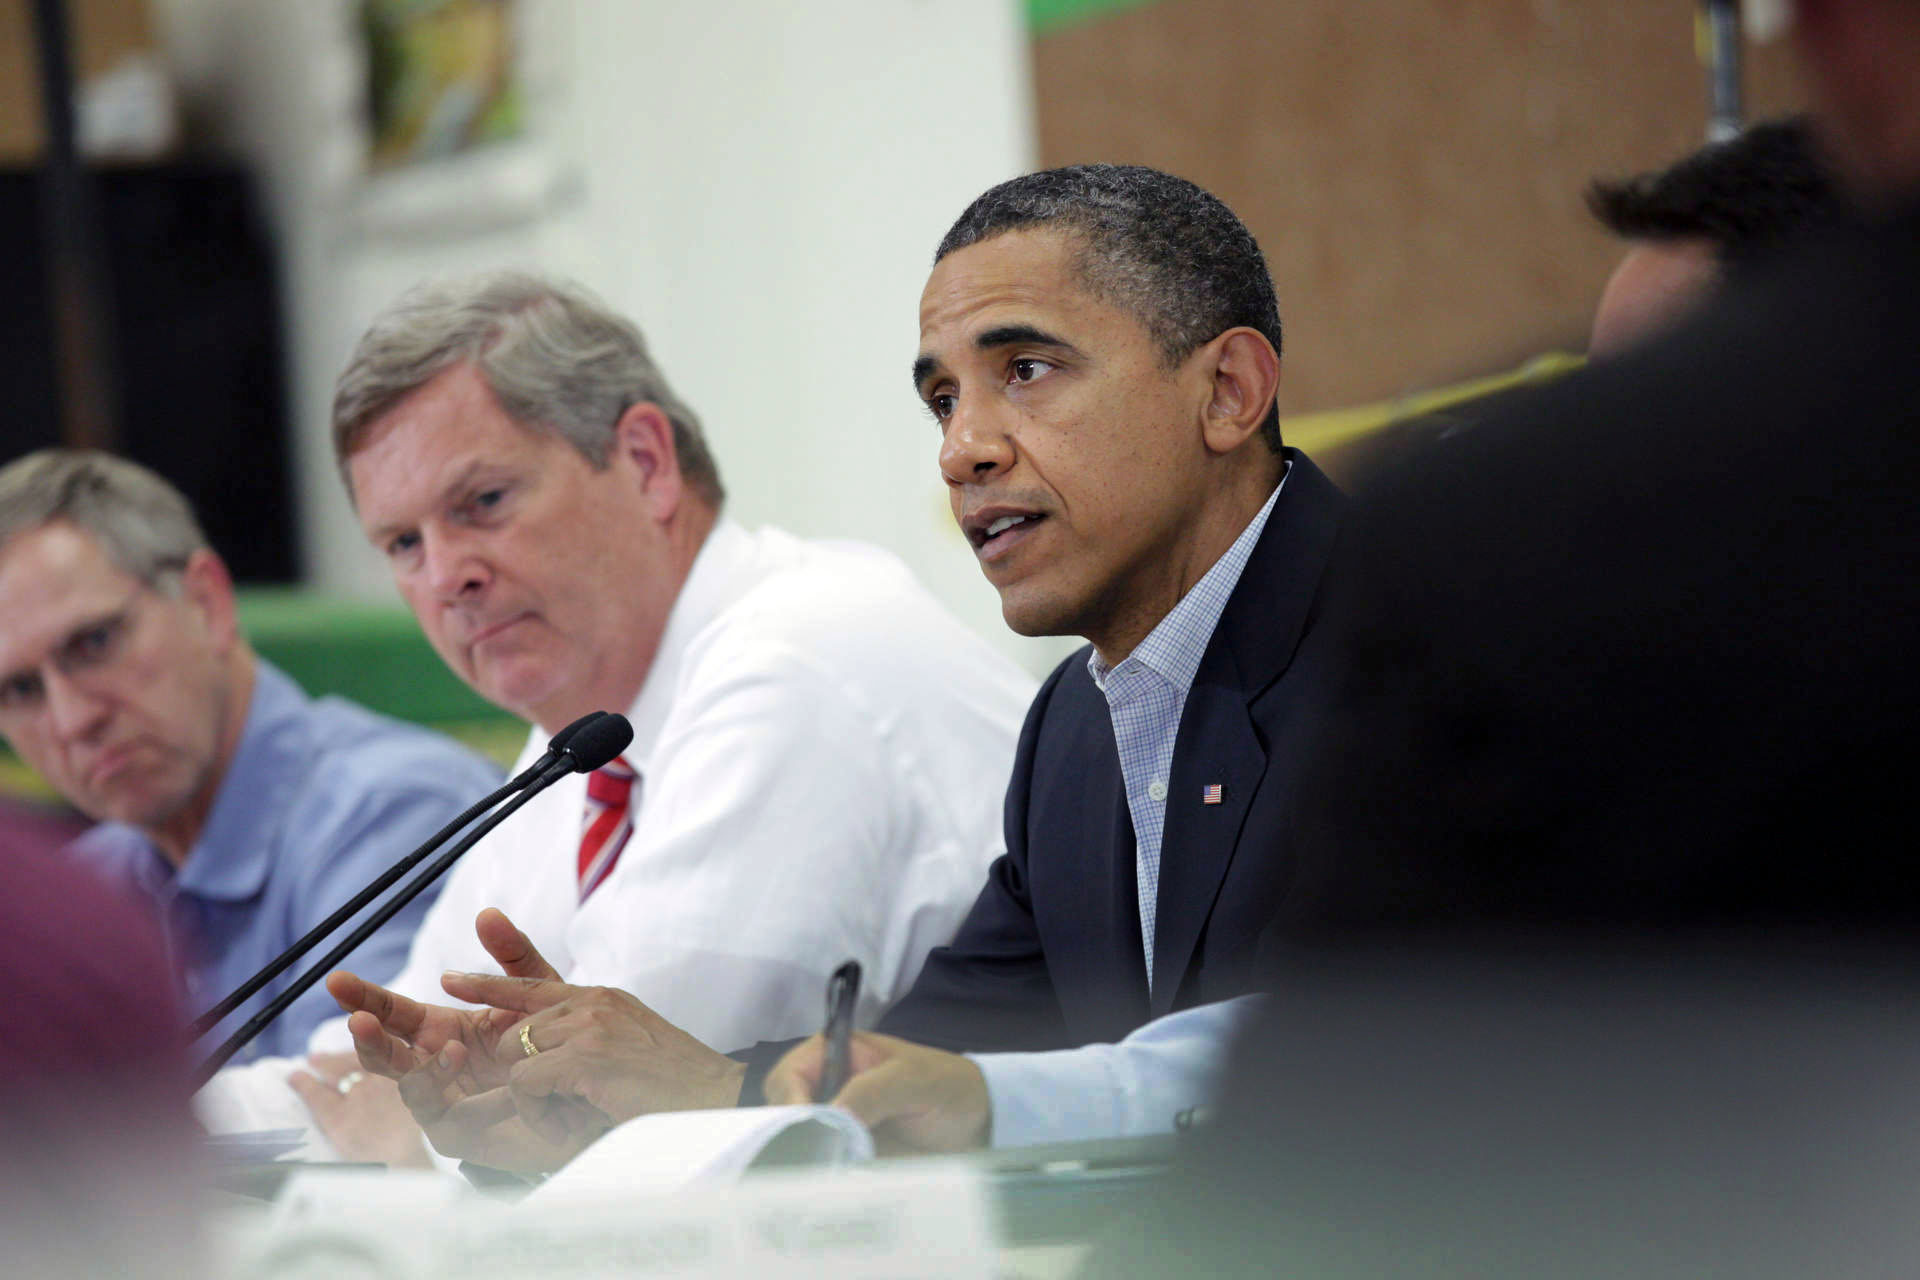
(180, 698)
(419, 602)
(35, 746)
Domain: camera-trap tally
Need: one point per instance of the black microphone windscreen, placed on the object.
(597, 743)
(560, 740)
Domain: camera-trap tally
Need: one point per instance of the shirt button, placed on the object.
(1157, 791)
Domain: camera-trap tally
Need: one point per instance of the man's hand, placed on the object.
(599, 1047)
(445, 1058)
(913, 1098)
(394, 1035)
(366, 1121)
(485, 1126)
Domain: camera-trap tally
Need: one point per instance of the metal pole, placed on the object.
(1725, 113)
(82, 327)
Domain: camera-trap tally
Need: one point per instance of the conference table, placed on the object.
(1044, 1209)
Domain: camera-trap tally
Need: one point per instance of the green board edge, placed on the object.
(1047, 16)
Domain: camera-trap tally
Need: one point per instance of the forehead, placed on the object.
(434, 438)
(1016, 276)
(53, 579)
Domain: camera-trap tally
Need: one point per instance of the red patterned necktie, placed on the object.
(607, 823)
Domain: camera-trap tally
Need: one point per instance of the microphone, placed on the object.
(581, 747)
(211, 1018)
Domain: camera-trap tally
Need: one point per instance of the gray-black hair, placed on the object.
(1157, 245)
(556, 358)
(145, 525)
(1746, 196)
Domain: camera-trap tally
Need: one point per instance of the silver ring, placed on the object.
(346, 1082)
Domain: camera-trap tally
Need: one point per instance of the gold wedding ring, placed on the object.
(526, 1039)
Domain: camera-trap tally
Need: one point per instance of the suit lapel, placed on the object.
(1219, 742)
(1087, 907)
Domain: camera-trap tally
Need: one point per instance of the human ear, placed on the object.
(643, 444)
(1244, 371)
(207, 588)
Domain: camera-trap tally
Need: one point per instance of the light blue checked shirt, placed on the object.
(1146, 692)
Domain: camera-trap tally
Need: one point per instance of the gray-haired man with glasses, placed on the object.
(241, 810)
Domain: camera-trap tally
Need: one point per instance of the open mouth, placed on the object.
(1003, 531)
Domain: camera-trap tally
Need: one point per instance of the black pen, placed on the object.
(843, 992)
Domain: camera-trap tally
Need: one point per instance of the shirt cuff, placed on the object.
(1068, 1095)
(1126, 1090)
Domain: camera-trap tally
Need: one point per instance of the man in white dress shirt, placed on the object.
(819, 747)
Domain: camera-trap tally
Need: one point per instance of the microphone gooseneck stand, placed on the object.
(592, 746)
(212, 1017)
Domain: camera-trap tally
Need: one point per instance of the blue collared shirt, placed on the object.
(1146, 692)
(321, 797)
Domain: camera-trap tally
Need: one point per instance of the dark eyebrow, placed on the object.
(112, 618)
(921, 368)
(1008, 335)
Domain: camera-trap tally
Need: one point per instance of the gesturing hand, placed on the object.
(393, 1034)
(485, 1126)
(600, 1047)
(364, 1119)
(400, 1038)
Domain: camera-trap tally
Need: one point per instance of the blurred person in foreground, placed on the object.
(1100, 351)
(1713, 215)
(240, 811)
(1717, 213)
(818, 744)
(101, 1174)
(1602, 957)
(1722, 209)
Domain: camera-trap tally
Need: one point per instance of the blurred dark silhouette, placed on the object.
(1599, 955)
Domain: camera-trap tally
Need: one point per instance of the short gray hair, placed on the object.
(145, 525)
(556, 358)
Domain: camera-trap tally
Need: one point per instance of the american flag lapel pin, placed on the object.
(1211, 793)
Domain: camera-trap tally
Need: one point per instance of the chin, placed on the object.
(144, 810)
(523, 693)
(1026, 615)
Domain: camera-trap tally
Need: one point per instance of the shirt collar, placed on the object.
(722, 569)
(230, 860)
(1173, 649)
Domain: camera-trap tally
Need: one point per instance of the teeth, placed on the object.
(1004, 523)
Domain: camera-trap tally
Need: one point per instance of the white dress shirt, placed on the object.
(823, 752)
(1125, 1090)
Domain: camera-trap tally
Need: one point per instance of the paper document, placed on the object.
(256, 1098)
(678, 1148)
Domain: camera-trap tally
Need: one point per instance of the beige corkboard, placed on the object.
(1413, 168)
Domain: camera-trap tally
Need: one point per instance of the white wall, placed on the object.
(759, 184)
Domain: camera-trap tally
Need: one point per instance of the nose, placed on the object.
(454, 570)
(976, 447)
(73, 712)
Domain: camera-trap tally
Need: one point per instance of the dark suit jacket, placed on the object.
(1050, 955)
(1640, 646)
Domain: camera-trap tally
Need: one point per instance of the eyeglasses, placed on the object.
(91, 648)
